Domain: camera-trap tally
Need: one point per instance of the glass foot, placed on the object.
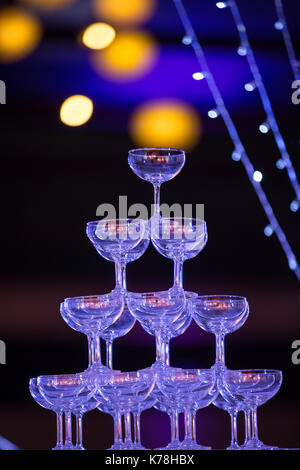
(234, 447)
(136, 446)
(117, 446)
(68, 447)
(175, 445)
(256, 444)
(189, 444)
(58, 447)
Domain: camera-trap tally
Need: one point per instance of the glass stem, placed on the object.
(156, 199)
(174, 427)
(159, 347)
(79, 431)
(194, 425)
(128, 435)
(247, 426)
(137, 427)
(188, 424)
(109, 357)
(233, 419)
(178, 274)
(220, 349)
(166, 351)
(68, 430)
(117, 428)
(59, 428)
(254, 424)
(120, 273)
(97, 349)
(90, 349)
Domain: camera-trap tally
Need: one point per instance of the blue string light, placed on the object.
(238, 145)
(281, 25)
(271, 122)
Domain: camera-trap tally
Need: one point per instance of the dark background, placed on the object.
(53, 177)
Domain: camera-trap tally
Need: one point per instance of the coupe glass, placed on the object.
(136, 414)
(125, 392)
(65, 392)
(225, 401)
(187, 389)
(163, 315)
(178, 239)
(163, 404)
(38, 397)
(220, 315)
(91, 315)
(190, 442)
(156, 165)
(254, 387)
(121, 241)
(119, 328)
(79, 411)
(109, 408)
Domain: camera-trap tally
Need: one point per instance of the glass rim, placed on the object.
(153, 149)
(88, 297)
(224, 296)
(165, 293)
(131, 219)
(254, 371)
(161, 219)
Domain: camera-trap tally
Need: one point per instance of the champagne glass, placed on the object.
(220, 315)
(65, 392)
(91, 315)
(119, 328)
(254, 388)
(163, 315)
(38, 397)
(156, 165)
(179, 239)
(120, 241)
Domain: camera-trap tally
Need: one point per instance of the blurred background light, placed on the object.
(20, 34)
(187, 40)
(213, 113)
(268, 230)
(242, 50)
(98, 35)
(76, 110)
(198, 76)
(250, 86)
(280, 164)
(278, 25)
(264, 127)
(130, 56)
(294, 205)
(257, 176)
(236, 156)
(165, 123)
(48, 5)
(124, 12)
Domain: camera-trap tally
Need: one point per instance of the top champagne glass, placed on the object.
(156, 165)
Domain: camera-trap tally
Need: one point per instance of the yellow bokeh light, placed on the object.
(76, 110)
(124, 12)
(98, 35)
(20, 33)
(131, 55)
(48, 5)
(165, 123)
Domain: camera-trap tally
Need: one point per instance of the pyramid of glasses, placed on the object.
(163, 314)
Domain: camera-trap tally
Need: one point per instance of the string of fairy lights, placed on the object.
(258, 84)
(239, 153)
(281, 25)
